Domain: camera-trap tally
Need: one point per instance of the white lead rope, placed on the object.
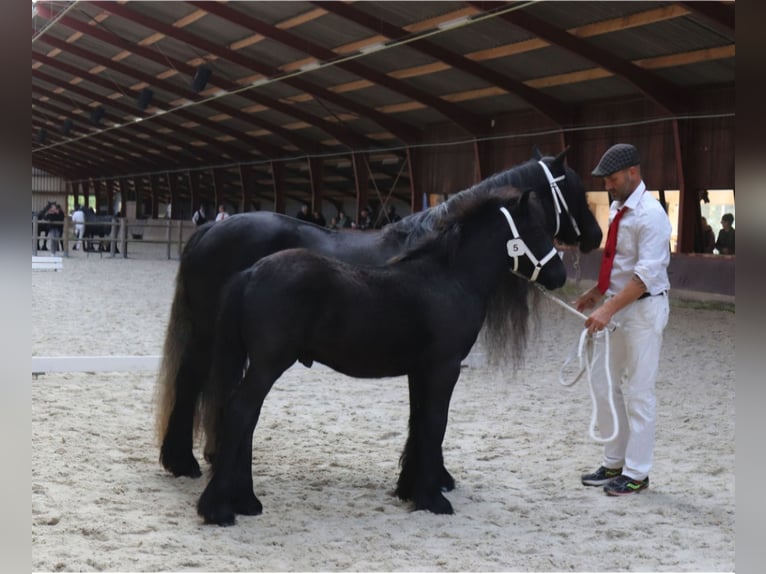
(587, 368)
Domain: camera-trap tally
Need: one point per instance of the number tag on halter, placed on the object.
(516, 247)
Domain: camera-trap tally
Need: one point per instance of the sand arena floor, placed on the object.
(327, 446)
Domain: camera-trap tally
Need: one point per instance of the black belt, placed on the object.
(647, 294)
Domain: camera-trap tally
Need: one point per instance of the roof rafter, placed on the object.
(345, 135)
(656, 88)
(105, 139)
(400, 129)
(719, 13)
(470, 122)
(129, 71)
(552, 108)
(192, 152)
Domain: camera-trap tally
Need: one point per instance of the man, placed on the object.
(78, 218)
(199, 217)
(636, 289)
(725, 241)
(222, 214)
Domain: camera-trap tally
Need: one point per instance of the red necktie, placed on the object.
(609, 249)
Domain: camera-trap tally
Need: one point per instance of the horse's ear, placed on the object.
(558, 161)
(536, 153)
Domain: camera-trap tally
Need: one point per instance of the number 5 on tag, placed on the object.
(516, 248)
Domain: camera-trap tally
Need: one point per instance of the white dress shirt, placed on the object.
(643, 243)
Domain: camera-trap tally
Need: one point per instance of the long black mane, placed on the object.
(412, 228)
(506, 326)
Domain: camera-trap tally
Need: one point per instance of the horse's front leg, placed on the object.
(405, 484)
(423, 476)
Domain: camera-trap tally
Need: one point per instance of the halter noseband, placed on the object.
(518, 248)
(558, 199)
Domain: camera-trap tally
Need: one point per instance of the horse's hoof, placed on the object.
(249, 505)
(220, 513)
(186, 466)
(447, 483)
(404, 493)
(437, 504)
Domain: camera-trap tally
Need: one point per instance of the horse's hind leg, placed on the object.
(423, 476)
(177, 454)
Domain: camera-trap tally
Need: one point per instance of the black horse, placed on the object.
(43, 227)
(418, 315)
(98, 229)
(216, 251)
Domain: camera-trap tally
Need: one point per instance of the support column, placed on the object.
(278, 180)
(361, 181)
(315, 176)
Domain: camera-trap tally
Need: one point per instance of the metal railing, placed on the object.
(122, 233)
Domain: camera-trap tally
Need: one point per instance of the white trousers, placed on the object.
(79, 231)
(634, 349)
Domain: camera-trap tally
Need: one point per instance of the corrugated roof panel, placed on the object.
(568, 15)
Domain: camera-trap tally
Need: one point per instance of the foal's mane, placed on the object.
(411, 230)
(506, 324)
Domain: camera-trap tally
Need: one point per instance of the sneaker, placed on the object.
(602, 476)
(625, 485)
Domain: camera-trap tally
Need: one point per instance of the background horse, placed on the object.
(43, 227)
(216, 251)
(417, 316)
(97, 226)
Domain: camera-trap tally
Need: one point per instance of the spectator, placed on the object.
(55, 215)
(78, 218)
(388, 216)
(199, 217)
(365, 220)
(304, 214)
(725, 241)
(318, 218)
(343, 220)
(707, 237)
(221, 213)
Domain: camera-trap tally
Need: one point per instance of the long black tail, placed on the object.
(179, 336)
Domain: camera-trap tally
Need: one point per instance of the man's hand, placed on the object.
(588, 300)
(599, 319)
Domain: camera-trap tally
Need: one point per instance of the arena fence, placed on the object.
(119, 234)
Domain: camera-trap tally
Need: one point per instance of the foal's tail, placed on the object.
(228, 360)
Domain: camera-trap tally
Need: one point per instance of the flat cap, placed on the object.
(618, 157)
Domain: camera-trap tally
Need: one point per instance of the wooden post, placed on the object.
(35, 234)
(123, 238)
(167, 236)
(113, 238)
(180, 238)
(65, 235)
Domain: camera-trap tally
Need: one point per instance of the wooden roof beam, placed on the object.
(666, 94)
(400, 129)
(191, 152)
(346, 136)
(553, 109)
(468, 121)
(233, 151)
(720, 14)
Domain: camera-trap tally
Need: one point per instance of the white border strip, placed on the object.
(95, 364)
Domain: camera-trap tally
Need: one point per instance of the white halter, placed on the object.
(518, 248)
(558, 198)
